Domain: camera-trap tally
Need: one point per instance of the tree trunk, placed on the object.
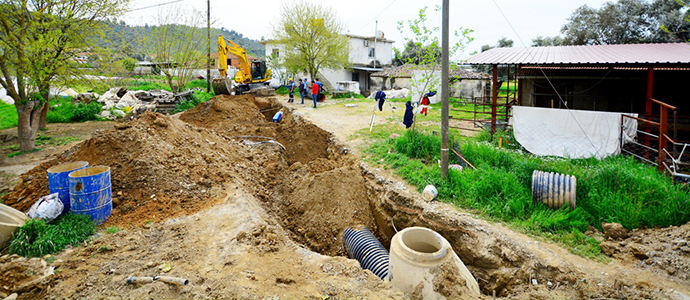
(45, 93)
(27, 124)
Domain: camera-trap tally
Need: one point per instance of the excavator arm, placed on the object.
(244, 77)
(245, 73)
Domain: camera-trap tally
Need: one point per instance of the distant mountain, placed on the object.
(124, 39)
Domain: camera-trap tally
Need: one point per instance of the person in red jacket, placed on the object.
(314, 91)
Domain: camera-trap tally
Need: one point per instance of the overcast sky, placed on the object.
(529, 18)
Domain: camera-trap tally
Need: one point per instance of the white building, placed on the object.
(367, 55)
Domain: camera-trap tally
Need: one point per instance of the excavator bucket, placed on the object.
(222, 86)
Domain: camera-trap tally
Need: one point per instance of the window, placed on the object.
(372, 52)
(355, 76)
(275, 53)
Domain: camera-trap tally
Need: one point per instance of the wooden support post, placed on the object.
(648, 105)
(519, 91)
(650, 87)
(663, 128)
(494, 99)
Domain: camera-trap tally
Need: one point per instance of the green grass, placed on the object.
(616, 189)
(8, 115)
(13, 154)
(36, 238)
(282, 90)
(147, 85)
(58, 141)
(196, 83)
(113, 229)
(348, 95)
(197, 97)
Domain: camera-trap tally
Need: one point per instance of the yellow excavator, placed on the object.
(251, 75)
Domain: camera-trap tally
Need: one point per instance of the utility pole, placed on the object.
(444, 91)
(208, 46)
(376, 35)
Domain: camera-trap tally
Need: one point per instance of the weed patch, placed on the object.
(113, 229)
(13, 154)
(37, 238)
(348, 95)
(616, 189)
(68, 112)
(147, 85)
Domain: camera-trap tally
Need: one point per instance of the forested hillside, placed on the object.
(128, 40)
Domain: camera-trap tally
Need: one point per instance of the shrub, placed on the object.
(197, 97)
(69, 112)
(283, 90)
(129, 64)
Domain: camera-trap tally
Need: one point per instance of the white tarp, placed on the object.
(571, 133)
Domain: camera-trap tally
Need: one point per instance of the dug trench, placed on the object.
(247, 208)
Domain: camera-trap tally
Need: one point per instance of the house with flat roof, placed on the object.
(367, 55)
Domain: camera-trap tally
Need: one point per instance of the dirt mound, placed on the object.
(317, 208)
(239, 116)
(665, 251)
(160, 167)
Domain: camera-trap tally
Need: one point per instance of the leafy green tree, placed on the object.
(627, 22)
(38, 39)
(311, 36)
(412, 51)
(423, 50)
(178, 44)
(541, 41)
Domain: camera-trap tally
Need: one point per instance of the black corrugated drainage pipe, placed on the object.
(363, 246)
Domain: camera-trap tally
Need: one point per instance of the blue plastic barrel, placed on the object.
(553, 189)
(59, 183)
(90, 193)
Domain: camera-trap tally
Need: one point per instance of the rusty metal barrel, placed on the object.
(554, 189)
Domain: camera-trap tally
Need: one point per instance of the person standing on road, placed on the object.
(291, 87)
(320, 97)
(314, 91)
(301, 89)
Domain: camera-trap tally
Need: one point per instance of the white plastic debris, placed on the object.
(47, 208)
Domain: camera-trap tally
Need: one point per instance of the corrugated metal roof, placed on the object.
(588, 54)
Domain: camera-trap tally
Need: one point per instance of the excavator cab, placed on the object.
(258, 70)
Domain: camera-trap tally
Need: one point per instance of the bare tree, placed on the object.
(177, 44)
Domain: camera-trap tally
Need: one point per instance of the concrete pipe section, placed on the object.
(421, 260)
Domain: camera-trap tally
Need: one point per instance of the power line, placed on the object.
(544, 73)
(365, 25)
(145, 7)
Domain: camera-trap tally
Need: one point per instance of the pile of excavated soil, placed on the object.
(322, 191)
(246, 115)
(160, 166)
